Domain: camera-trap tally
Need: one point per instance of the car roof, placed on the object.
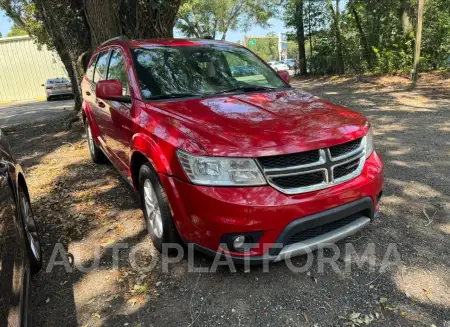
(167, 42)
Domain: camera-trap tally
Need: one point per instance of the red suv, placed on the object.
(224, 153)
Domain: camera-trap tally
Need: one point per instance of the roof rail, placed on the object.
(117, 38)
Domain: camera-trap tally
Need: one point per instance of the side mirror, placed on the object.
(42, 85)
(111, 90)
(284, 75)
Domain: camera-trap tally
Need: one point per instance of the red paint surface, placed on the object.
(245, 125)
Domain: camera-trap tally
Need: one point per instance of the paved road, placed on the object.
(25, 112)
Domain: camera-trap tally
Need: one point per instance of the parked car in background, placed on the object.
(230, 164)
(20, 251)
(243, 71)
(278, 66)
(58, 87)
(292, 63)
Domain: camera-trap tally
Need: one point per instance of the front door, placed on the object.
(118, 135)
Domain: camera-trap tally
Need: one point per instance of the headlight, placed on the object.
(369, 143)
(220, 170)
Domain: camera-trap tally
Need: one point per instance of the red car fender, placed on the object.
(145, 145)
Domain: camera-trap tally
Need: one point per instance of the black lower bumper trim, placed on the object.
(361, 207)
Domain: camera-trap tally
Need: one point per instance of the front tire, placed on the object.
(156, 209)
(33, 242)
(97, 156)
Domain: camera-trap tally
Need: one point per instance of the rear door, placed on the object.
(12, 255)
(88, 85)
(98, 105)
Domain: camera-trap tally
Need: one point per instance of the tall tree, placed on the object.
(294, 16)
(200, 18)
(335, 13)
(300, 36)
(367, 51)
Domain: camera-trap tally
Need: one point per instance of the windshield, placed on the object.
(201, 70)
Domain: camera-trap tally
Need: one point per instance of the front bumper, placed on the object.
(203, 215)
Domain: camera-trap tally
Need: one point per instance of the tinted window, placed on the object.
(100, 68)
(200, 70)
(117, 70)
(90, 70)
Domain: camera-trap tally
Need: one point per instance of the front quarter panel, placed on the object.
(157, 137)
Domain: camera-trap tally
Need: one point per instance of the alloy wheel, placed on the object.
(153, 209)
(30, 227)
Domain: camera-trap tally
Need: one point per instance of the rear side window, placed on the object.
(117, 70)
(100, 68)
(90, 70)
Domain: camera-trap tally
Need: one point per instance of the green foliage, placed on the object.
(26, 22)
(292, 50)
(436, 35)
(16, 31)
(200, 18)
(266, 48)
(375, 35)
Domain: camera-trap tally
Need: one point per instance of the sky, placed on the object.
(5, 24)
(233, 36)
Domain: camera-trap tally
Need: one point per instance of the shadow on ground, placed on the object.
(82, 206)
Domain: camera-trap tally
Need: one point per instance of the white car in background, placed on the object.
(278, 66)
(57, 87)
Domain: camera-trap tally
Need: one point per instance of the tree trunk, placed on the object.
(69, 44)
(362, 36)
(300, 37)
(102, 26)
(79, 26)
(337, 33)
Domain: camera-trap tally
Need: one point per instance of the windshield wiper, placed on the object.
(174, 96)
(248, 88)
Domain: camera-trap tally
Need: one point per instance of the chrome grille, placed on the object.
(314, 170)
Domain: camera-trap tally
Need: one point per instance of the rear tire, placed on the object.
(97, 156)
(156, 209)
(49, 98)
(33, 242)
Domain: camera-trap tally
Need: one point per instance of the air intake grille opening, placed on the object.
(320, 230)
(288, 160)
(345, 169)
(341, 149)
(301, 180)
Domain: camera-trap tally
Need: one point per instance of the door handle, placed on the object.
(88, 93)
(101, 104)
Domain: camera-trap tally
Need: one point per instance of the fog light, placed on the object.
(239, 242)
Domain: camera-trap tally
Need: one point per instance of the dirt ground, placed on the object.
(80, 205)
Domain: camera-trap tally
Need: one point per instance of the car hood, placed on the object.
(264, 123)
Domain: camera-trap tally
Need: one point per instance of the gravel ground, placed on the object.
(80, 205)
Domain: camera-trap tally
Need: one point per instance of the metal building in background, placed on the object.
(24, 68)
